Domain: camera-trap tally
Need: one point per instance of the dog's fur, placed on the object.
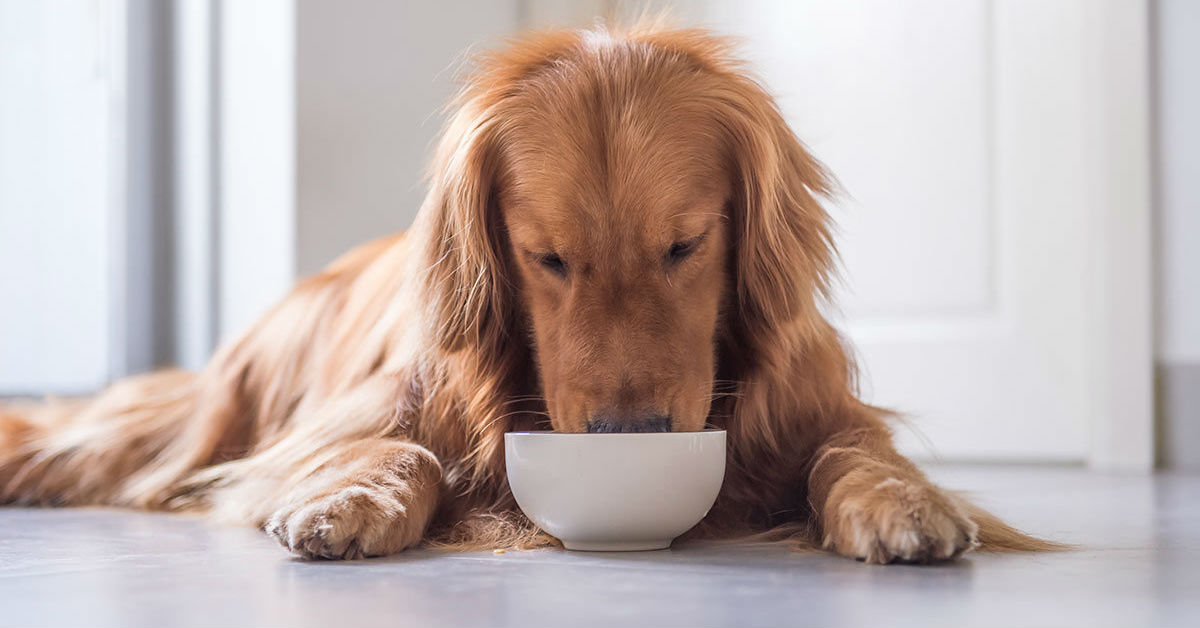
(619, 224)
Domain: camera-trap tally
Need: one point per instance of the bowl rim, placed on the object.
(549, 433)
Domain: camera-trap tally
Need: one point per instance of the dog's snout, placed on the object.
(608, 423)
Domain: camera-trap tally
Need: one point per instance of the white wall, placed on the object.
(1178, 23)
(257, 187)
(371, 79)
(1177, 238)
(57, 148)
(195, 177)
(326, 120)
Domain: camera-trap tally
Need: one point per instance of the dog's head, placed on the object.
(635, 208)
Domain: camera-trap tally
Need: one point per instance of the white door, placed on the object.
(986, 248)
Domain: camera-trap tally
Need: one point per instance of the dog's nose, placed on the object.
(610, 423)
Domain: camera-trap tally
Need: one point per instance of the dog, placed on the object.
(621, 234)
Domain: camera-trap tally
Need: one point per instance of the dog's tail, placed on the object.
(997, 536)
(95, 450)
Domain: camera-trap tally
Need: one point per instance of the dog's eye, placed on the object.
(553, 263)
(680, 250)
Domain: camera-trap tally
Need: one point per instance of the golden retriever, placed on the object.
(621, 234)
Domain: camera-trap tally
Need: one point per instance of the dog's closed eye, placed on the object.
(552, 262)
(680, 250)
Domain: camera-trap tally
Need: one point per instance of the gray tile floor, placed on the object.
(1139, 566)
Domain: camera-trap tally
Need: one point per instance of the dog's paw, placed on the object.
(879, 518)
(353, 522)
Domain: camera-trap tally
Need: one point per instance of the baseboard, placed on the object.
(1177, 414)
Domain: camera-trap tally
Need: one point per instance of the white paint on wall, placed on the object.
(372, 77)
(58, 149)
(257, 230)
(194, 162)
(1178, 236)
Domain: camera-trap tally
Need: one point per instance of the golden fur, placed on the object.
(618, 224)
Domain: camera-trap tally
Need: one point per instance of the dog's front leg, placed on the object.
(374, 497)
(873, 504)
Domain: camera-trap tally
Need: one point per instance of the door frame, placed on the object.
(1117, 81)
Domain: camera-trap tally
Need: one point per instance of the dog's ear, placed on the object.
(783, 243)
(467, 271)
(465, 268)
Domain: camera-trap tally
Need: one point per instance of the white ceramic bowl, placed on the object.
(615, 492)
